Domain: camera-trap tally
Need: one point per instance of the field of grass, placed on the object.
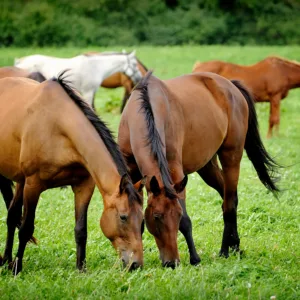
(269, 228)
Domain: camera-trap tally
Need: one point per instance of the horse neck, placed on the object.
(94, 155)
(292, 72)
(109, 64)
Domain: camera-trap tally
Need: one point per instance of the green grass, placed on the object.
(269, 228)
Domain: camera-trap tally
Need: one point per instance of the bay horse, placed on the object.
(86, 72)
(17, 72)
(120, 79)
(171, 128)
(270, 80)
(51, 137)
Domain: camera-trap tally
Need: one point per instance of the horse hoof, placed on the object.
(224, 253)
(15, 266)
(195, 261)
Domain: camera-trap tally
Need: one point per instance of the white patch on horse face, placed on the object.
(132, 70)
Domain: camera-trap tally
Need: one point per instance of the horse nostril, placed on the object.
(134, 266)
(124, 217)
(124, 262)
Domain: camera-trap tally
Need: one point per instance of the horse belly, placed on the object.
(9, 157)
(203, 137)
(112, 81)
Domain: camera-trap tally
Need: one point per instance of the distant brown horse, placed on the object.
(270, 80)
(175, 127)
(17, 72)
(50, 137)
(119, 79)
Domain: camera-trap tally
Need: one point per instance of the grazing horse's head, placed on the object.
(131, 68)
(162, 216)
(122, 223)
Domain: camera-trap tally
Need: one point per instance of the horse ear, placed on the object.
(124, 181)
(180, 186)
(154, 186)
(16, 60)
(140, 184)
(132, 53)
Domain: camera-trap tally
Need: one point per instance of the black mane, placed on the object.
(153, 138)
(103, 131)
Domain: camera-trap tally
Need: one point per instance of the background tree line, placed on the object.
(156, 22)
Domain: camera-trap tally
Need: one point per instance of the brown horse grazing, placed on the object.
(119, 79)
(17, 72)
(54, 138)
(175, 127)
(270, 80)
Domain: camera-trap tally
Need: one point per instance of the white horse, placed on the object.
(86, 72)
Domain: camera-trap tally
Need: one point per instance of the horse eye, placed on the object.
(123, 218)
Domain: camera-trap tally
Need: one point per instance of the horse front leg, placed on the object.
(274, 119)
(83, 194)
(32, 191)
(13, 218)
(185, 228)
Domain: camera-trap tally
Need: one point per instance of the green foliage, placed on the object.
(269, 228)
(131, 22)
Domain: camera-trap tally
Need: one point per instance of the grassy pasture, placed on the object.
(269, 228)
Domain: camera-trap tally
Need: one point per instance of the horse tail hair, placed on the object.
(153, 138)
(265, 166)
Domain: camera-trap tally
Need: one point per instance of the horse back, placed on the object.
(210, 109)
(13, 72)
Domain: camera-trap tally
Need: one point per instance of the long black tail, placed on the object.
(154, 139)
(265, 166)
(6, 188)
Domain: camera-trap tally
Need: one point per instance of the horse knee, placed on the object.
(80, 234)
(185, 223)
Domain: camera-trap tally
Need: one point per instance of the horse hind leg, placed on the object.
(274, 119)
(230, 161)
(185, 227)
